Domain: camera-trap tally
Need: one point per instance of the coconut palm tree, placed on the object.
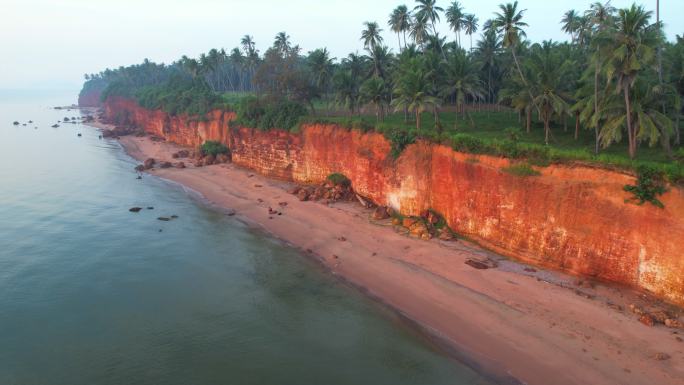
(321, 66)
(400, 22)
(454, 16)
(281, 43)
(550, 77)
(428, 10)
(371, 35)
(601, 17)
(509, 23)
(419, 30)
(413, 90)
(470, 26)
(374, 91)
(487, 53)
(634, 49)
(570, 22)
(461, 80)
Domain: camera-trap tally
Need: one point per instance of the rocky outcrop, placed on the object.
(570, 218)
(90, 98)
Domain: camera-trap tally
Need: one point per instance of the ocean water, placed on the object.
(93, 294)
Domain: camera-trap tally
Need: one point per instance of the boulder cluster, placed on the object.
(652, 318)
(208, 160)
(327, 192)
(120, 131)
(426, 226)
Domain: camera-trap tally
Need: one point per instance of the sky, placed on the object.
(50, 44)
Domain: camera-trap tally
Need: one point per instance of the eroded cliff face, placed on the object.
(571, 218)
(89, 99)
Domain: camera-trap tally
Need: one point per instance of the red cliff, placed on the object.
(570, 218)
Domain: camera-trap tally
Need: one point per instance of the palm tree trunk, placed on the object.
(596, 109)
(528, 112)
(517, 65)
(565, 122)
(630, 132)
(546, 128)
(399, 38)
(577, 124)
(417, 120)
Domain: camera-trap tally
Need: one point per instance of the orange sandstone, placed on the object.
(571, 218)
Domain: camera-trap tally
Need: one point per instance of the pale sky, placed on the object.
(48, 44)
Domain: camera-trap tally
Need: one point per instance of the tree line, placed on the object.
(617, 75)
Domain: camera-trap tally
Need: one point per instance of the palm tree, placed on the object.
(470, 26)
(400, 22)
(601, 17)
(419, 30)
(487, 53)
(570, 22)
(346, 94)
(371, 35)
(454, 16)
(461, 80)
(550, 77)
(428, 10)
(509, 23)
(248, 45)
(374, 91)
(321, 67)
(413, 91)
(282, 43)
(634, 49)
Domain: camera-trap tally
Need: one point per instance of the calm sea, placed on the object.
(93, 294)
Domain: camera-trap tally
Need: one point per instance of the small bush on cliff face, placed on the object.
(521, 169)
(214, 148)
(339, 179)
(400, 139)
(649, 186)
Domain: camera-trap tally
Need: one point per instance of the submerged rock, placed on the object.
(16, 123)
(164, 219)
(135, 209)
(55, 125)
(140, 168)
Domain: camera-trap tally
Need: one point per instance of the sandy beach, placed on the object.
(518, 325)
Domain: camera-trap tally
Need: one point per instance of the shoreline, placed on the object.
(519, 327)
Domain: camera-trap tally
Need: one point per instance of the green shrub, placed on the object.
(521, 169)
(214, 148)
(400, 139)
(649, 186)
(339, 179)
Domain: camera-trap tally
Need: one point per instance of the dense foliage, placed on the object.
(179, 96)
(610, 95)
(212, 147)
(259, 113)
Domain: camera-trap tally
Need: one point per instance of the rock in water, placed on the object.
(55, 125)
(135, 209)
(164, 219)
(16, 123)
